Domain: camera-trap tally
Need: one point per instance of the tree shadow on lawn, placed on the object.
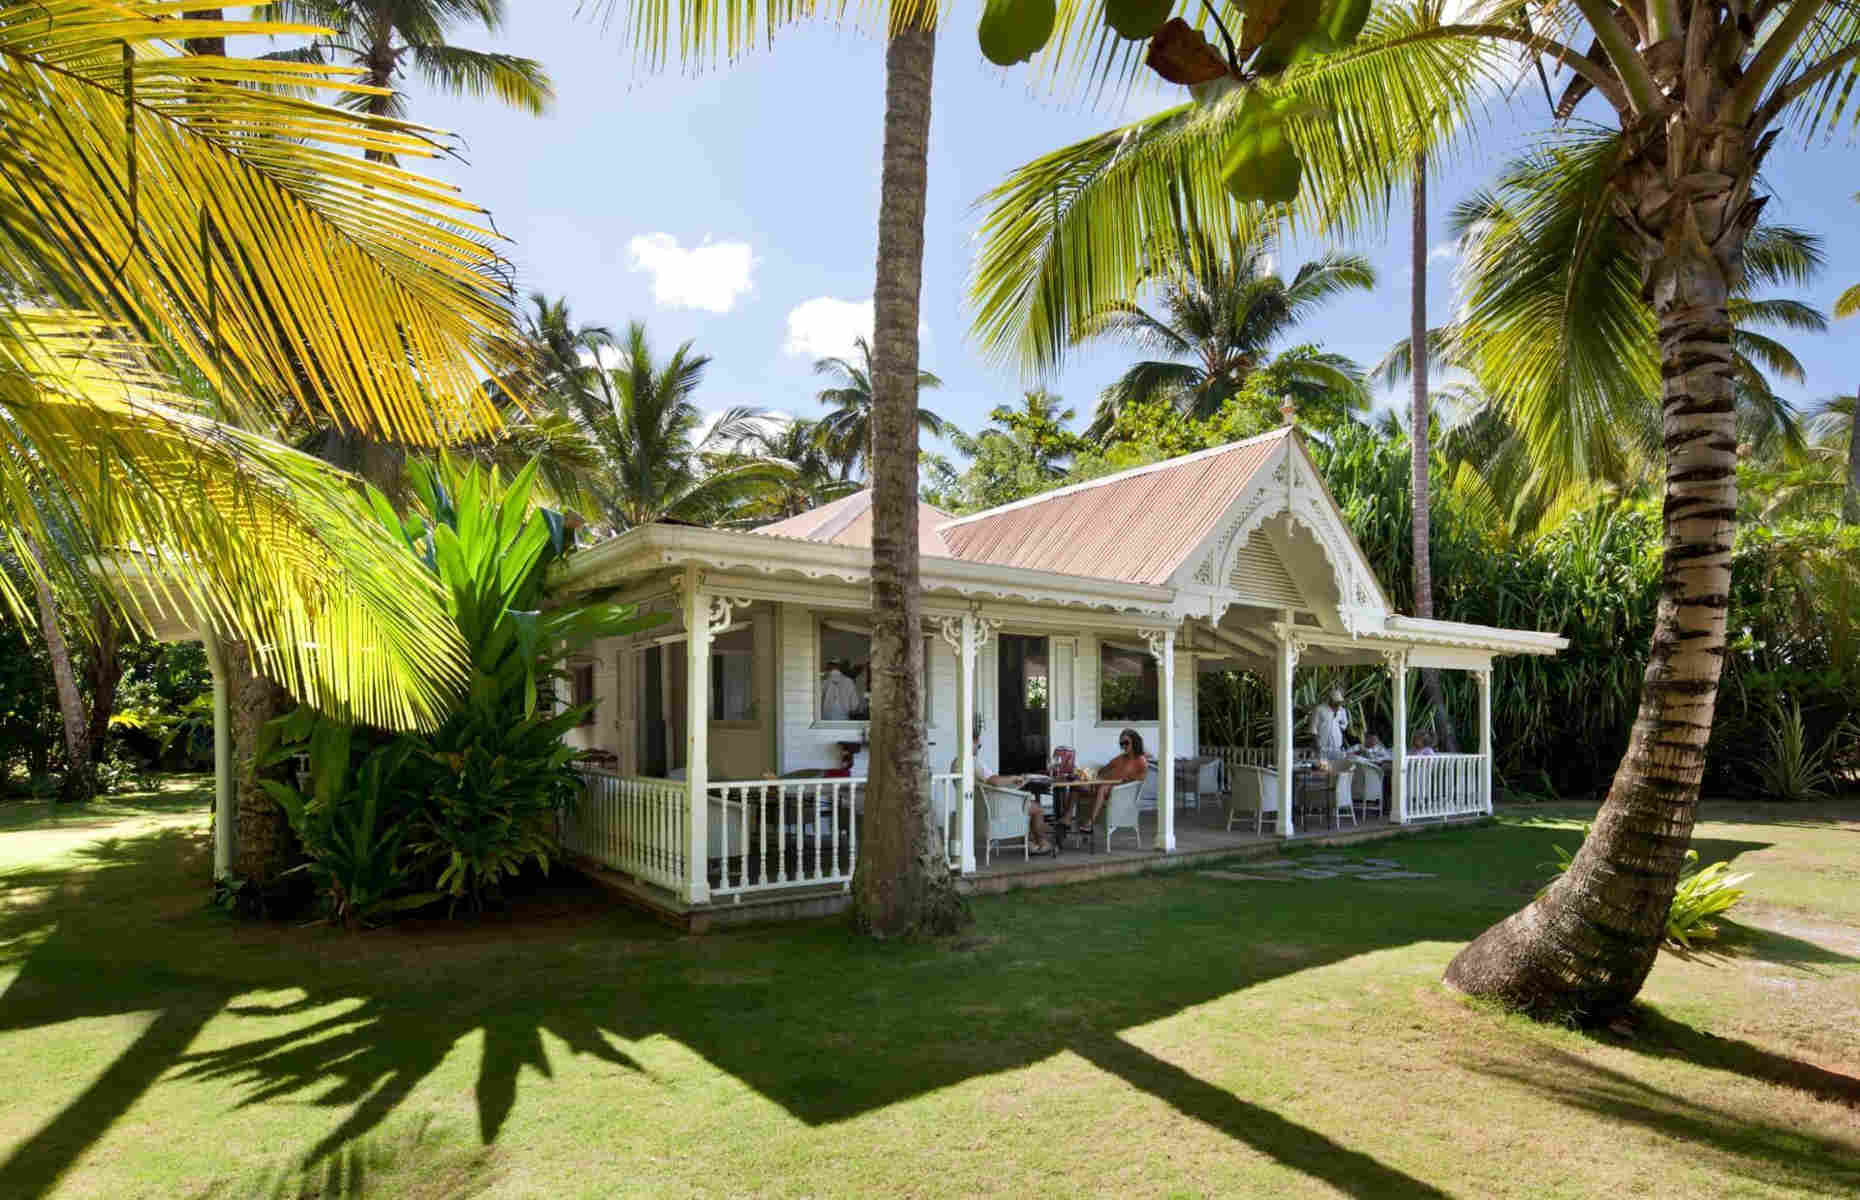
(1738, 1141)
(827, 1025)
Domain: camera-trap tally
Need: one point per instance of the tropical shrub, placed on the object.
(354, 820)
(473, 801)
(1702, 894)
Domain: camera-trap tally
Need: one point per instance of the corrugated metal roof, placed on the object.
(1137, 526)
(848, 522)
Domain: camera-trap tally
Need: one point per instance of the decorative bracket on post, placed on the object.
(720, 610)
(984, 628)
(950, 628)
(1157, 639)
(1395, 661)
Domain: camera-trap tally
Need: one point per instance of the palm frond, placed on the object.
(519, 82)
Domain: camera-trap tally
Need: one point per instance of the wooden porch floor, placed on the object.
(1200, 835)
(1198, 832)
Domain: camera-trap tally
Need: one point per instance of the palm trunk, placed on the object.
(1582, 950)
(902, 884)
(104, 672)
(263, 844)
(80, 779)
(1422, 445)
(1850, 499)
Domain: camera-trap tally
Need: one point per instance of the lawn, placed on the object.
(1174, 1034)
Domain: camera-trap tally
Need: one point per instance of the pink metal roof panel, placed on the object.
(1138, 526)
(848, 522)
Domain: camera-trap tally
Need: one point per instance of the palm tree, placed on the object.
(798, 443)
(565, 356)
(847, 432)
(658, 460)
(1704, 99)
(382, 39)
(1039, 428)
(1224, 309)
(1552, 326)
(213, 206)
(1836, 434)
(903, 880)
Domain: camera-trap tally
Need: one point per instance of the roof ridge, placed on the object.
(1281, 432)
(850, 511)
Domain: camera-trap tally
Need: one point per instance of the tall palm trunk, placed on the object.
(263, 847)
(1850, 499)
(902, 885)
(1584, 948)
(1421, 443)
(80, 779)
(103, 673)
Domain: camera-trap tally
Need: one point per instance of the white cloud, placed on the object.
(710, 276)
(825, 327)
(1444, 252)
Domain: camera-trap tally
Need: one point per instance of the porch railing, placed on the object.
(638, 826)
(1445, 785)
(769, 834)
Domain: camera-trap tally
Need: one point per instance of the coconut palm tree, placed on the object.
(1552, 326)
(847, 431)
(385, 39)
(1704, 96)
(228, 172)
(814, 481)
(210, 200)
(1223, 310)
(903, 880)
(659, 459)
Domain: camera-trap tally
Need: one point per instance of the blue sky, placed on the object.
(738, 208)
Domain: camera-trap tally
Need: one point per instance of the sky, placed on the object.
(738, 208)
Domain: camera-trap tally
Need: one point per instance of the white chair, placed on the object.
(1004, 819)
(1342, 804)
(1255, 793)
(1369, 784)
(1120, 811)
(1152, 787)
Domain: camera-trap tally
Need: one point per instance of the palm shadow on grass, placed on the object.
(824, 1024)
(1752, 1147)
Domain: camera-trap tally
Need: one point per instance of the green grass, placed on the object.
(1165, 1034)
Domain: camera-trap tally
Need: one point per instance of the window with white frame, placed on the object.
(843, 671)
(1128, 688)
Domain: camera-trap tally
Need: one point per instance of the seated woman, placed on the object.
(1039, 840)
(1130, 763)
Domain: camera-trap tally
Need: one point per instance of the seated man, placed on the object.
(1421, 744)
(1372, 748)
(1130, 763)
(1039, 841)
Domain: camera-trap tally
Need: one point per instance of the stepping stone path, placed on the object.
(1318, 866)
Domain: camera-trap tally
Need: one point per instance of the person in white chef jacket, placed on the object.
(839, 694)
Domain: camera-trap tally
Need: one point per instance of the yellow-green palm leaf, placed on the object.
(217, 526)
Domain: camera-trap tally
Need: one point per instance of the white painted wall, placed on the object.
(786, 736)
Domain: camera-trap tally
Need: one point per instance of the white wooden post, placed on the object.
(1162, 646)
(1398, 674)
(1484, 678)
(223, 799)
(697, 734)
(966, 650)
(1286, 668)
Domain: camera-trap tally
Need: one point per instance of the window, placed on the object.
(843, 687)
(1127, 685)
(581, 690)
(733, 676)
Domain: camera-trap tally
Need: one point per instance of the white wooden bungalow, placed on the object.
(1058, 620)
